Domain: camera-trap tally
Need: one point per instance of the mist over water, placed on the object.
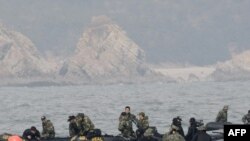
(22, 107)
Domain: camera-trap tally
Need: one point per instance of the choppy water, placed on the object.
(22, 107)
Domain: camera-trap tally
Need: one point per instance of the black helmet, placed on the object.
(192, 120)
(43, 118)
(71, 118)
(33, 128)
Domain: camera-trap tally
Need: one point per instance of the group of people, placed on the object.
(47, 132)
(82, 126)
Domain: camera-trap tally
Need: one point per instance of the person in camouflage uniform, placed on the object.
(222, 115)
(173, 135)
(246, 118)
(5, 136)
(48, 128)
(125, 126)
(148, 135)
(73, 129)
(130, 116)
(142, 124)
(84, 124)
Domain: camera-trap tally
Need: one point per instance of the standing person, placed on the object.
(48, 131)
(32, 134)
(73, 129)
(192, 130)
(177, 122)
(222, 115)
(125, 126)
(246, 118)
(202, 135)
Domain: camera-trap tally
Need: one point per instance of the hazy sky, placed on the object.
(199, 32)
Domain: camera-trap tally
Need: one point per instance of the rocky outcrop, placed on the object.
(105, 52)
(19, 57)
(238, 68)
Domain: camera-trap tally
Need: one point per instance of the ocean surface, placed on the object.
(22, 107)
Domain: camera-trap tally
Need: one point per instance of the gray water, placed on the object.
(22, 107)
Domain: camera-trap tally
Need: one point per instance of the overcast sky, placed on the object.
(199, 32)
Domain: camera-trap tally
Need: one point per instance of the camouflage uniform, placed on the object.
(4, 137)
(246, 119)
(48, 129)
(125, 126)
(143, 124)
(173, 137)
(84, 124)
(222, 116)
(73, 130)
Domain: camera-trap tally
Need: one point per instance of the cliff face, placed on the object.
(105, 51)
(19, 57)
(238, 68)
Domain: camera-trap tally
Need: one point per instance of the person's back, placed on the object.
(48, 128)
(88, 124)
(31, 134)
(192, 130)
(202, 135)
(174, 137)
(246, 118)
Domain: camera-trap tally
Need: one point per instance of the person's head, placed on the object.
(80, 116)
(33, 129)
(177, 121)
(43, 118)
(192, 120)
(71, 119)
(141, 115)
(225, 108)
(127, 109)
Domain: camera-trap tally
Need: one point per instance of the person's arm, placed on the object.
(218, 118)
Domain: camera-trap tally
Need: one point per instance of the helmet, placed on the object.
(33, 128)
(192, 120)
(142, 114)
(226, 107)
(43, 118)
(80, 115)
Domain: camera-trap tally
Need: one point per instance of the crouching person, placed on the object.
(32, 134)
